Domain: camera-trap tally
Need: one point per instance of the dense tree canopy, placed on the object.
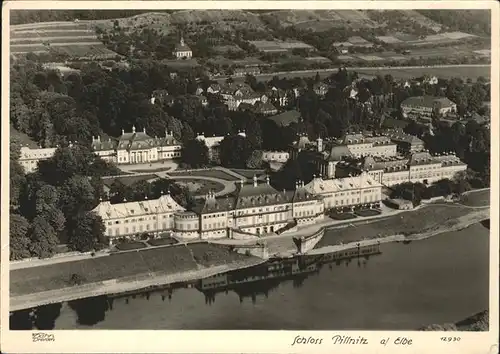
(195, 153)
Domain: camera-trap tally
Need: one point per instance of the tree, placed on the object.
(253, 131)
(87, 231)
(255, 159)
(195, 153)
(17, 177)
(76, 195)
(62, 166)
(43, 238)
(187, 132)
(234, 151)
(19, 244)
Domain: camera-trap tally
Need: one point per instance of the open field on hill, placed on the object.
(18, 36)
(440, 72)
(402, 73)
(55, 40)
(321, 20)
(165, 22)
(56, 25)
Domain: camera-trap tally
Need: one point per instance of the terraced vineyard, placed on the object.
(73, 40)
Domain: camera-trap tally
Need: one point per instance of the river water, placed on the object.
(438, 280)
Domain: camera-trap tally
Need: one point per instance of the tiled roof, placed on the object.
(399, 136)
(250, 195)
(427, 101)
(133, 141)
(164, 204)
(354, 139)
(211, 204)
(102, 145)
(321, 186)
(379, 140)
(338, 152)
(261, 107)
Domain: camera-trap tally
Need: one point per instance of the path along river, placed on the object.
(437, 280)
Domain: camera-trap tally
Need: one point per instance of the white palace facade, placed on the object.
(254, 209)
(137, 147)
(418, 167)
(29, 157)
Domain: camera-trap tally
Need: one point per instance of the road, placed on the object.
(306, 73)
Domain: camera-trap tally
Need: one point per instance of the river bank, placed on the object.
(475, 323)
(116, 286)
(409, 285)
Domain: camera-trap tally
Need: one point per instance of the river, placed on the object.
(438, 280)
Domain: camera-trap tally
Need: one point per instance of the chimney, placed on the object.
(99, 138)
(255, 181)
(302, 185)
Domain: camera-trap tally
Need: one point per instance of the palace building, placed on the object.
(417, 167)
(132, 218)
(137, 147)
(406, 143)
(361, 145)
(29, 157)
(252, 210)
(346, 192)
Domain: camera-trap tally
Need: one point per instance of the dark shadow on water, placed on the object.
(90, 311)
(486, 223)
(21, 320)
(41, 318)
(46, 316)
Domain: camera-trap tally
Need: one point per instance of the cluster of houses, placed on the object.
(389, 158)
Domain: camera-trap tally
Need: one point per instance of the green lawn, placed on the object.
(481, 198)
(200, 187)
(130, 246)
(130, 265)
(163, 241)
(342, 216)
(411, 222)
(368, 212)
(248, 173)
(205, 173)
(128, 180)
